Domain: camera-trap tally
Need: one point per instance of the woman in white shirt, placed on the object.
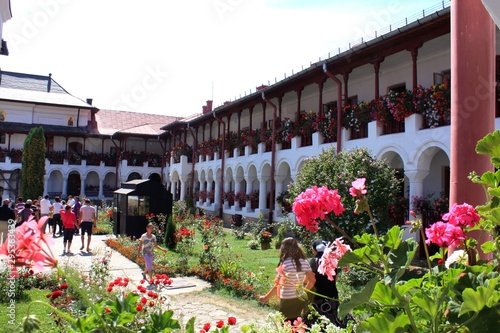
(293, 279)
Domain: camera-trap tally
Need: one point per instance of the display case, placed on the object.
(134, 200)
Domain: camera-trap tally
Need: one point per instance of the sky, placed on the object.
(170, 57)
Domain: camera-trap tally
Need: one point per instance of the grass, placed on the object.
(21, 310)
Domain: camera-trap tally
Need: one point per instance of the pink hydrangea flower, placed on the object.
(329, 261)
(444, 234)
(31, 246)
(314, 203)
(462, 216)
(358, 188)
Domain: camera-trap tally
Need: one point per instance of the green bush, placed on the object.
(337, 171)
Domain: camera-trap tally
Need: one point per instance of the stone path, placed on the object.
(187, 296)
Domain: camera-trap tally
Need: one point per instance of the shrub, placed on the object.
(337, 170)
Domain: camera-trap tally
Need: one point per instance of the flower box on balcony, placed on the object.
(393, 127)
(359, 133)
(305, 140)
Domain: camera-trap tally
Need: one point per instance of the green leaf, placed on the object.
(427, 304)
(384, 295)
(358, 298)
(488, 247)
(476, 300)
(190, 325)
(489, 145)
(384, 323)
(393, 238)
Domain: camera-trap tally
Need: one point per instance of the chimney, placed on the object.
(207, 108)
(89, 101)
(49, 82)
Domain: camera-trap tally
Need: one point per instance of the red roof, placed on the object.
(111, 121)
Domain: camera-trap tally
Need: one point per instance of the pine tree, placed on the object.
(33, 164)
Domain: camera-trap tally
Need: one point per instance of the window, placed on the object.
(75, 147)
(397, 88)
(443, 76)
(2, 138)
(138, 205)
(329, 106)
(352, 100)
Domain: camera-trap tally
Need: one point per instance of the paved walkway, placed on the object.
(185, 295)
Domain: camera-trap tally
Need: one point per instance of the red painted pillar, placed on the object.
(472, 96)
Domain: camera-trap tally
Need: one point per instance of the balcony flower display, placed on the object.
(182, 149)
(399, 104)
(434, 104)
(356, 115)
(326, 124)
(287, 131)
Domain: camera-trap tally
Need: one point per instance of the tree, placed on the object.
(338, 171)
(33, 164)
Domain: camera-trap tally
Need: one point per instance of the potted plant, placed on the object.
(265, 237)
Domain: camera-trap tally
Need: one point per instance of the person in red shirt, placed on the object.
(68, 221)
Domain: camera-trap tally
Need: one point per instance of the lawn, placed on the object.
(21, 309)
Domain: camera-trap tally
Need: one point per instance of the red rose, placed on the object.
(231, 320)
(107, 310)
(139, 307)
(206, 327)
(220, 323)
(144, 300)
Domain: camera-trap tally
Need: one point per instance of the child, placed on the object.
(147, 246)
(68, 221)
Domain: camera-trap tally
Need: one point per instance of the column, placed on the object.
(473, 51)
(263, 192)
(237, 188)
(250, 181)
(65, 186)
(173, 190)
(278, 189)
(101, 188)
(183, 180)
(45, 184)
(416, 179)
(202, 187)
(82, 187)
(209, 188)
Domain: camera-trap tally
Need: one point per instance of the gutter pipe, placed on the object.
(223, 162)
(273, 158)
(193, 160)
(339, 106)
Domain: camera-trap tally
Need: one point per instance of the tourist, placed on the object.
(69, 221)
(76, 209)
(294, 274)
(86, 221)
(45, 208)
(19, 206)
(6, 214)
(147, 245)
(24, 215)
(56, 217)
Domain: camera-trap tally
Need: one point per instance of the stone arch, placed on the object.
(134, 175)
